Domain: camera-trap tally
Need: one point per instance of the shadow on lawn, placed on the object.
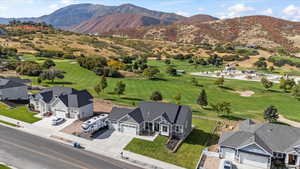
(226, 88)
(132, 99)
(202, 138)
(231, 117)
(60, 83)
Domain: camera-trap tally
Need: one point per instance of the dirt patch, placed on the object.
(211, 162)
(128, 74)
(247, 93)
(105, 106)
(73, 128)
(8, 73)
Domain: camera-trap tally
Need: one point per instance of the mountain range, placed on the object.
(136, 22)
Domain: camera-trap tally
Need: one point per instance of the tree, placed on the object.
(156, 96)
(115, 64)
(51, 75)
(48, 64)
(271, 68)
(266, 83)
(271, 114)
(194, 82)
(97, 89)
(202, 99)
(151, 73)
(261, 63)
(220, 81)
(103, 83)
(222, 108)
(286, 84)
(167, 61)
(177, 98)
(120, 88)
(171, 71)
(296, 91)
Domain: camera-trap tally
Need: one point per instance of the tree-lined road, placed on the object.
(26, 151)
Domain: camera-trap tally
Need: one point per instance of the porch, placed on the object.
(152, 128)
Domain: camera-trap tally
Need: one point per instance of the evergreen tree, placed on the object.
(271, 114)
(156, 96)
(266, 83)
(103, 83)
(120, 88)
(202, 99)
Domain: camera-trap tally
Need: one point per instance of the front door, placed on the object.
(165, 130)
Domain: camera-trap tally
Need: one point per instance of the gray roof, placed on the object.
(271, 137)
(7, 83)
(69, 96)
(149, 111)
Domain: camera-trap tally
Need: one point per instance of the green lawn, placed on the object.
(188, 153)
(7, 123)
(4, 167)
(20, 113)
(138, 89)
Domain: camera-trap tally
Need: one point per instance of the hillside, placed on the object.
(197, 18)
(117, 21)
(264, 31)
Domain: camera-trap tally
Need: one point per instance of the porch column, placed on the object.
(286, 161)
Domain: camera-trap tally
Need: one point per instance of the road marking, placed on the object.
(43, 154)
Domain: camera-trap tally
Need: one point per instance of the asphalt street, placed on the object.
(26, 151)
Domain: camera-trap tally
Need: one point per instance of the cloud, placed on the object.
(268, 11)
(236, 11)
(292, 12)
(67, 2)
(201, 10)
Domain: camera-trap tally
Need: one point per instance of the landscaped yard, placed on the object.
(189, 152)
(138, 89)
(4, 167)
(19, 113)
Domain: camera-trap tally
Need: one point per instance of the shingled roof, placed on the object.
(69, 96)
(272, 137)
(7, 83)
(148, 111)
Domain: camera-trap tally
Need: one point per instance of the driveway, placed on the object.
(47, 123)
(238, 166)
(111, 141)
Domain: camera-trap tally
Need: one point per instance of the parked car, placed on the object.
(57, 121)
(227, 164)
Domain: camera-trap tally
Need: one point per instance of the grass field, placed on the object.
(7, 123)
(189, 152)
(4, 167)
(20, 113)
(138, 89)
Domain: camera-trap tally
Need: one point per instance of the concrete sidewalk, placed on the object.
(92, 146)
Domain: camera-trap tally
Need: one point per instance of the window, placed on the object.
(165, 129)
(178, 129)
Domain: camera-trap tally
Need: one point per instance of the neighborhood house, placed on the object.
(153, 117)
(262, 145)
(11, 89)
(63, 102)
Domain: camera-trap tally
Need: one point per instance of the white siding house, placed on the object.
(63, 102)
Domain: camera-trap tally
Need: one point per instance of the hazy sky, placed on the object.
(287, 9)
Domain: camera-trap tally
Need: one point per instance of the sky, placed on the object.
(286, 9)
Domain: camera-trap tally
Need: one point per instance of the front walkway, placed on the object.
(290, 122)
(110, 146)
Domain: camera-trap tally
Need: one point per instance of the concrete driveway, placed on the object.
(47, 123)
(111, 141)
(238, 166)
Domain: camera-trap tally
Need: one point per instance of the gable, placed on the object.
(129, 119)
(57, 103)
(254, 148)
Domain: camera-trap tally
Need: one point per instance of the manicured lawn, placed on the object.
(188, 153)
(20, 113)
(138, 89)
(4, 167)
(7, 123)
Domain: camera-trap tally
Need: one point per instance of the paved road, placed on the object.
(26, 151)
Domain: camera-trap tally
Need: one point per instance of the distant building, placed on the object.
(12, 89)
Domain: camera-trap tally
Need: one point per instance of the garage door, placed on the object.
(128, 129)
(60, 113)
(254, 160)
(228, 153)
